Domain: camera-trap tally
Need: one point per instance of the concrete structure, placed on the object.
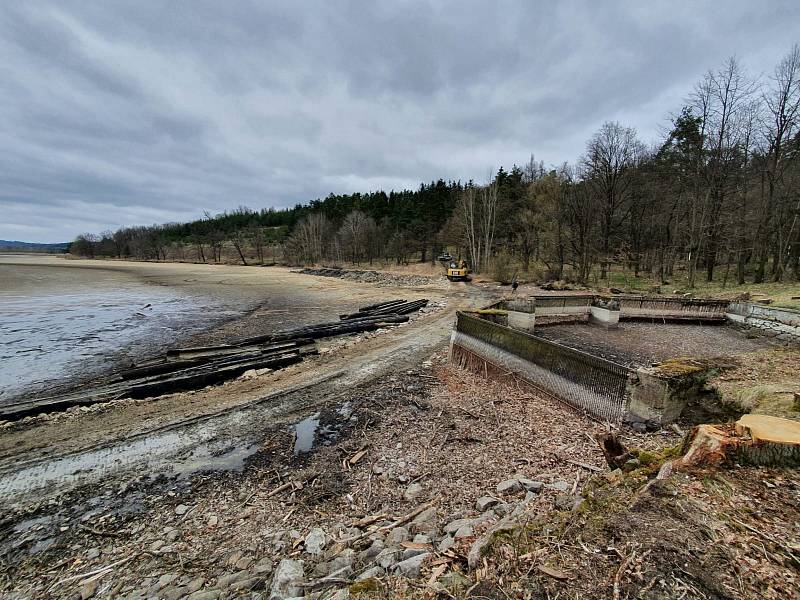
(782, 323)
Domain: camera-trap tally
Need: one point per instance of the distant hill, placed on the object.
(33, 246)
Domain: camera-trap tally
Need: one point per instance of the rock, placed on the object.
(245, 584)
(315, 542)
(166, 579)
(173, 535)
(195, 584)
(479, 545)
(229, 579)
(370, 573)
(503, 509)
(345, 559)
(411, 567)
(464, 531)
(263, 567)
(397, 536)
(531, 485)
(485, 502)
(204, 595)
(639, 427)
(561, 486)
(181, 509)
(93, 553)
(425, 521)
(156, 546)
(413, 492)
(244, 562)
(387, 558)
(287, 579)
(509, 486)
(454, 581)
(174, 593)
(421, 538)
(88, 589)
(446, 543)
(370, 553)
(212, 521)
(454, 526)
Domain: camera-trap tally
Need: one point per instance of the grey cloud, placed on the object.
(117, 113)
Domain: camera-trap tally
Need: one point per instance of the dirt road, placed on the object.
(217, 426)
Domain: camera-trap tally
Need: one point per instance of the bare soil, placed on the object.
(636, 343)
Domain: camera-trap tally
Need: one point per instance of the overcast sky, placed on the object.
(115, 113)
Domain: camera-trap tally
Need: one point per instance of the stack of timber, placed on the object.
(184, 369)
(391, 307)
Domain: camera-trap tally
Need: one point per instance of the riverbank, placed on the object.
(150, 306)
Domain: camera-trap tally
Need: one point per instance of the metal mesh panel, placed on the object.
(633, 306)
(584, 381)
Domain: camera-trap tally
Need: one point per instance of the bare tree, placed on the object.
(611, 155)
(782, 103)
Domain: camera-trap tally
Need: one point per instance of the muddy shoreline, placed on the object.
(233, 301)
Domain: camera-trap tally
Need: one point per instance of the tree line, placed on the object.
(717, 198)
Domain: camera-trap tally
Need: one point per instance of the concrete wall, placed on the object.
(781, 323)
(604, 316)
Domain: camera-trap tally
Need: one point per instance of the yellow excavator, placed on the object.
(458, 271)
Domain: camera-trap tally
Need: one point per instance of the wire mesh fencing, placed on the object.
(589, 383)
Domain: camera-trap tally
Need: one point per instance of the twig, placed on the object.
(98, 532)
(621, 572)
(96, 571)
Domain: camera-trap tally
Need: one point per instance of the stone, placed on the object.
(315, 541)
(166, 579)
(509, 486)
(454, 526)
(446, 543)
(229, 579)
(344, 559)
(425, 522)
(561, 486)
(370, 553)
(411, 567)
(89, 588)
(174, 593)
(531, 485)
(245, 584)
(486, 502)
(455, 581)
(181, 509)
(204, 595)
(173, 535)
(213, 520)
(93, 553)
(387, 558)
(263, 567)
(421, 538)
(413, 492)
(397, 535)
(287, 579)
(370, 573)
(156, 546)
(244, 562)
(503, 509)
(195, 584)
(639, 427)
(464, 531)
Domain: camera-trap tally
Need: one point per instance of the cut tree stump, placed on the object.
(753, 440)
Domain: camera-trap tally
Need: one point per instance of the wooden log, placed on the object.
(204, 378)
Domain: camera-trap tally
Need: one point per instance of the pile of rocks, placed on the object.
(379, 278)
(327, 562)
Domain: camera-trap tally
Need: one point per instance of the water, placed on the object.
(57, 323)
